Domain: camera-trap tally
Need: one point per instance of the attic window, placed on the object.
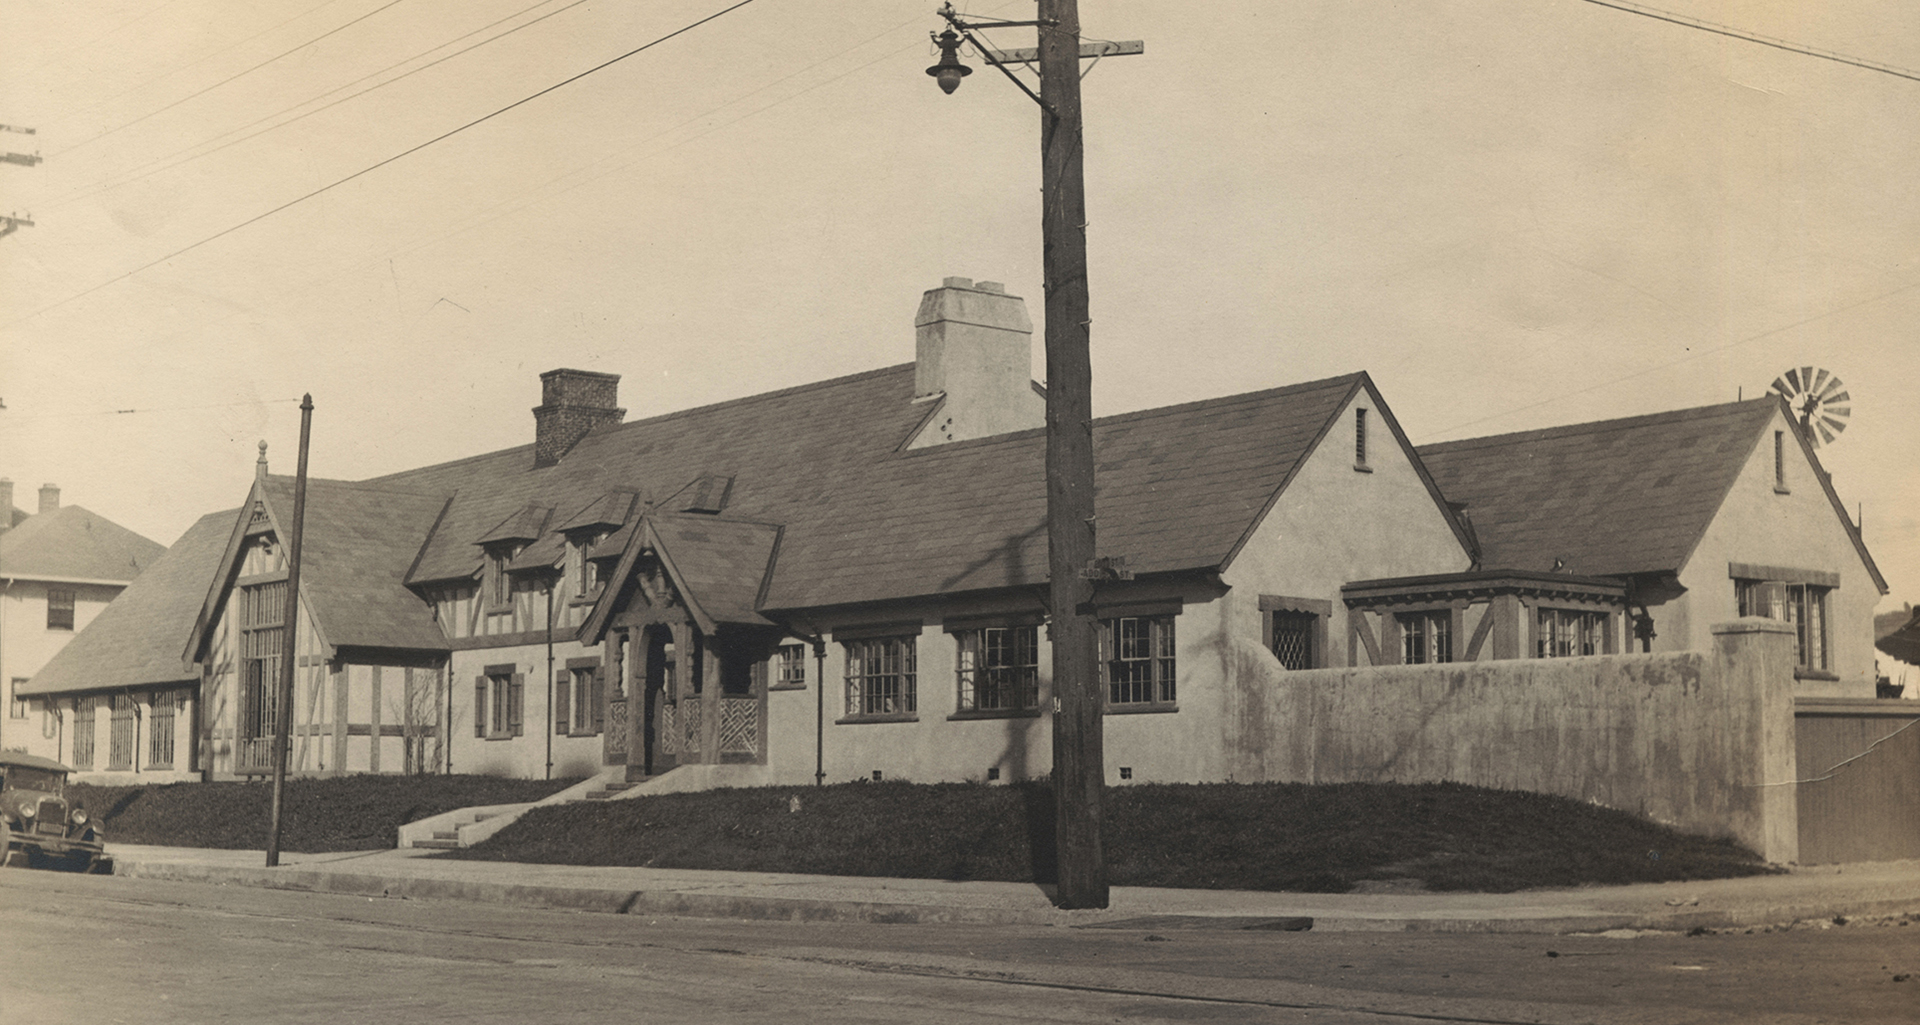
(497, 586)
(1360, 441)
(1780, 463)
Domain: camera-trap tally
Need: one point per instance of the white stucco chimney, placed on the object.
(973, 348)
(49, 498)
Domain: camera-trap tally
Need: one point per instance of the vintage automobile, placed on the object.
(38, 824)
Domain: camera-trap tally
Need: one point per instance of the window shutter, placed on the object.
(480, 706)
(599, 698)
(757, 675)
(1106, 650)
(562, 692)
(517, 704)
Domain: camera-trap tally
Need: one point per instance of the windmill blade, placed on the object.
(1819, 382)
(1826, 393)
(1826, 436)
(1837, 425)
(1780, 387)
(1793, 383)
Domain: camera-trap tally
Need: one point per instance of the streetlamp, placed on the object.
(1079, 772)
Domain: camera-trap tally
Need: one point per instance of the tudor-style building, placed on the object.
(847, 579)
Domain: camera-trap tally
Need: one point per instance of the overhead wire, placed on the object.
(382, 163)
(150, 169)
(195, 62)
(1753, 37)
(231, 78)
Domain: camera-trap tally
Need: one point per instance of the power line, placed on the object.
(195, 63)
(374, 167)
(149, 169)
(1684, 359)
(230, 78)
(8, 421)
(1752, 37)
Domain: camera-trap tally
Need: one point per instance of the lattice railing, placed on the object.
(692, 718)
(740, 726)
(616, 731)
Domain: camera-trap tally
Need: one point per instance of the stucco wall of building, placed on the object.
(1689, 739)
(27, 643)
(1798, 529)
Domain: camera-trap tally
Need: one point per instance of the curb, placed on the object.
(686, 904)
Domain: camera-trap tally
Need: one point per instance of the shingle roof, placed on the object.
(1606, 498)
(73, 543)
(136, 639)
(1177, 488)
(719, 564)
(356, 547)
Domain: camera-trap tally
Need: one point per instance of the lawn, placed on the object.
(347, 813)
(1320, 839)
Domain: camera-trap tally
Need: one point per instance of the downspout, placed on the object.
(819, 643)
(448, 730)
(550, 681)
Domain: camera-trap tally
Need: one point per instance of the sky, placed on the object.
(1512, 213)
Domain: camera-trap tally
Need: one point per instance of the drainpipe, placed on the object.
(446, 730)
(550, 681)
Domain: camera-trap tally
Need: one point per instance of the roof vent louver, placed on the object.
(708, 493)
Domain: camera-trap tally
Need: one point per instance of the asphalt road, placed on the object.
(103, 949)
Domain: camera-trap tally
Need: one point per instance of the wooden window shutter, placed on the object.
(757, 676)
(562, 688)
(480, 706)
(599, 698)
(517, 704)
(1107, 628)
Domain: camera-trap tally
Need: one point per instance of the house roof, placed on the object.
(719, 565)
(135, 640)
(1177, 488)
(1613, 497)
(356, 547)
(1898, 634)
(74, 543)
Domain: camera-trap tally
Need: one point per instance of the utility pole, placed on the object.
(289, 654)
(1079, 757)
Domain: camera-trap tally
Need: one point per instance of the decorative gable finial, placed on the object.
(260, 465)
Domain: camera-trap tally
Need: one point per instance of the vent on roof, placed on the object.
(708, 493)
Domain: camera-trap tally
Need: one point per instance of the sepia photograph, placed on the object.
(921, 511)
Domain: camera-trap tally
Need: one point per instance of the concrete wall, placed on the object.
(1799, 529)
(1686, 739)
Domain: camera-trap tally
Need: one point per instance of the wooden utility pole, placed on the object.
(289, 653)
(1079, 769)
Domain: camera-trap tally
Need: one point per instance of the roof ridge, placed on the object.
(1595, 426)
(358, 485)
(1343, 380)
(661, 417)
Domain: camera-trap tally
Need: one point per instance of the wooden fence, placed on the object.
(1859, 767)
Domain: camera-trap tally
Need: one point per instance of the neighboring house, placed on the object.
(1639, 534)
(59, 568)
(847, 579)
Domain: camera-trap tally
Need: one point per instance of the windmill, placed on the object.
(1819, 398)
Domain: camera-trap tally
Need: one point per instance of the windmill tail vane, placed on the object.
(1820, 399)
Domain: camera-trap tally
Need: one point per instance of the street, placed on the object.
(105, 949)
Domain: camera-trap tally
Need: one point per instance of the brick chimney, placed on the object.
(572, 403)
(973, 347)
(49, 499)
(6, 504)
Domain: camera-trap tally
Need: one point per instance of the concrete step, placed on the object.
(446, 834)
(438, 844)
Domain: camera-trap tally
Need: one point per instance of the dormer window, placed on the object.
(497, 585)
(583, 572)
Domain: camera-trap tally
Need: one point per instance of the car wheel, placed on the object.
(6, 845)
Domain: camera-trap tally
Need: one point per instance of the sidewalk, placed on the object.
(1809, 893)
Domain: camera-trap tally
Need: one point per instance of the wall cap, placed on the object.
(1753, 625)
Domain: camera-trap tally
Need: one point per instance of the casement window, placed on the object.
(583, 573)
(59, 608)
(83, 735)
(497, 583)
(881, 677)
(17, 705)
(1295, 630)
(1802, 604)
(579, 699)
(790, 667)
(263, 616)
(1564, 633)
(161, 720)
(998, 669)
(1426, 636)
(122, 732)
(499, 703)
(1137, 655)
